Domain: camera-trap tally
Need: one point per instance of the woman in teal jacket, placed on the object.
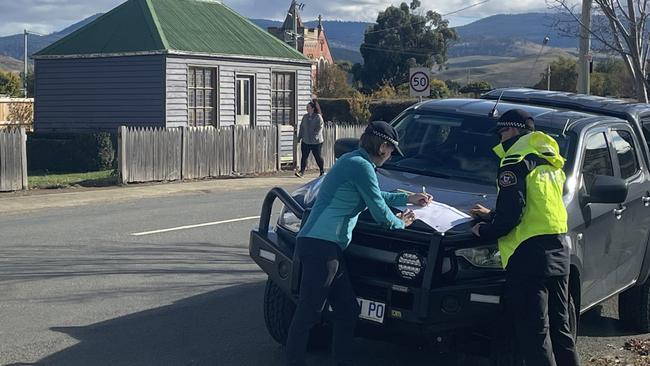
(348, 189)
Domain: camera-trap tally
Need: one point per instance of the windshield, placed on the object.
(451, 146)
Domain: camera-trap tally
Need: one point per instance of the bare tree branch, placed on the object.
(620, 7)
(597, 36)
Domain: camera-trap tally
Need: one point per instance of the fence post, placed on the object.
(278, 145)
(234, 148)
(121, 155)
(23, 157)
(183, 152)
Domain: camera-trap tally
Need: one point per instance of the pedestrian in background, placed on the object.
(310, 136)
(349, 188)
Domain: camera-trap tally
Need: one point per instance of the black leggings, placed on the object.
(325, 279)
(316, 150)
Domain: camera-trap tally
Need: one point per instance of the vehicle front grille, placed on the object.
(381, 269)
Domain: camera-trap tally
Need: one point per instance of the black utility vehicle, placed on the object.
(458, 283)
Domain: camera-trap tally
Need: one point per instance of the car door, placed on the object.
(596, 233)
(634, 220)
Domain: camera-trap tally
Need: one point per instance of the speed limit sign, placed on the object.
(419, 82)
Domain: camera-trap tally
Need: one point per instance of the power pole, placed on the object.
(548, 77)
(25, 64)
(585, 46)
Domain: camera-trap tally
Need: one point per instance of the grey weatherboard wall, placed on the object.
(99, 94)
(227, 70)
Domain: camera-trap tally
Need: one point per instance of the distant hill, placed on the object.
(13, 45)
(503, 35)
(501, 71)
(10, 64)
(516, 35)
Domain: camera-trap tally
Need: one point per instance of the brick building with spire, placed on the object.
(311, 42)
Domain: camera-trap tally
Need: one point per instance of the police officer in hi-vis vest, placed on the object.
(529, 222)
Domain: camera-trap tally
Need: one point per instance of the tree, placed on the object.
(476, 88)
(385, 91)
(620, 28)
(608, 79)
(439, 89)
(564, 76)
(401, 39)
(332, 82)
(453, 86)
(10, 84)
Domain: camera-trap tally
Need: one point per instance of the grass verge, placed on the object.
(44, 180)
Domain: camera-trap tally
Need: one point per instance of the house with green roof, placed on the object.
(169, 63)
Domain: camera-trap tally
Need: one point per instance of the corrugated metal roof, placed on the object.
(193, 26)
(125, 29)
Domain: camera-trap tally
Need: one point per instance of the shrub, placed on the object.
(360, 107)
(340, 110)
(71, 152)
(387, 110)
(336, 110)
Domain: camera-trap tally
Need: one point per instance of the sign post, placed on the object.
(419, 82)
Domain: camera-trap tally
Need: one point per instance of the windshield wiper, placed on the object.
(390, 166)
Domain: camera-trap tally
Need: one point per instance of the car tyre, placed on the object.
(634, 307)
(278, 313)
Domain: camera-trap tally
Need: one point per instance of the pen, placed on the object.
(424, 191)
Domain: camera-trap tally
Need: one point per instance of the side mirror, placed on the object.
(345, 145)
(607, 189)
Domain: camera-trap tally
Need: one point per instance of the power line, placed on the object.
(426, 20)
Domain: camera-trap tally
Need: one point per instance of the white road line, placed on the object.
(195, 226)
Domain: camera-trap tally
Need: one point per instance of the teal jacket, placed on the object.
(348, 189)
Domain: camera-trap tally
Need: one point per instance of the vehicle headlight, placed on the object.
(410, 265)
(289, 221)
(484, 257)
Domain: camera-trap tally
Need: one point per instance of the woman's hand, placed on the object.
(420, 199)
(407, 216)
(480, 212)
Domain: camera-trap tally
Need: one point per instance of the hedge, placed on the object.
(338, 110)
(71, 152)
(387, 110)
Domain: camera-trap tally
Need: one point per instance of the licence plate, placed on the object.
(371, 310)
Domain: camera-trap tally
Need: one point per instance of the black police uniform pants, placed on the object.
(324, 277)
(315, 149)
(539, 308)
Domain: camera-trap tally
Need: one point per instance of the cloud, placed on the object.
(46, 16)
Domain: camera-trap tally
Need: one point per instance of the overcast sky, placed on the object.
(46, 16)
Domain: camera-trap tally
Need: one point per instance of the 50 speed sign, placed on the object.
(419, 82)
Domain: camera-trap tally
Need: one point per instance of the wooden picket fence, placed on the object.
(158, 154)
(330, 134)
(13, 160)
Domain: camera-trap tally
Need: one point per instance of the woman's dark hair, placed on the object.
(314, 104)
(371, 143)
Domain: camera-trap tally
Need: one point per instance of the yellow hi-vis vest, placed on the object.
(544, 212)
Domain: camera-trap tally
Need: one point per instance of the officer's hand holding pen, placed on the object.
(480, 212)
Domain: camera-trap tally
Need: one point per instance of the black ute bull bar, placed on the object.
(439, 244)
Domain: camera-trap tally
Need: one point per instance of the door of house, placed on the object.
(244, 100)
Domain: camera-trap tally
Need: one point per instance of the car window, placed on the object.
(597, 160)
(627, 156)
(453, 145)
